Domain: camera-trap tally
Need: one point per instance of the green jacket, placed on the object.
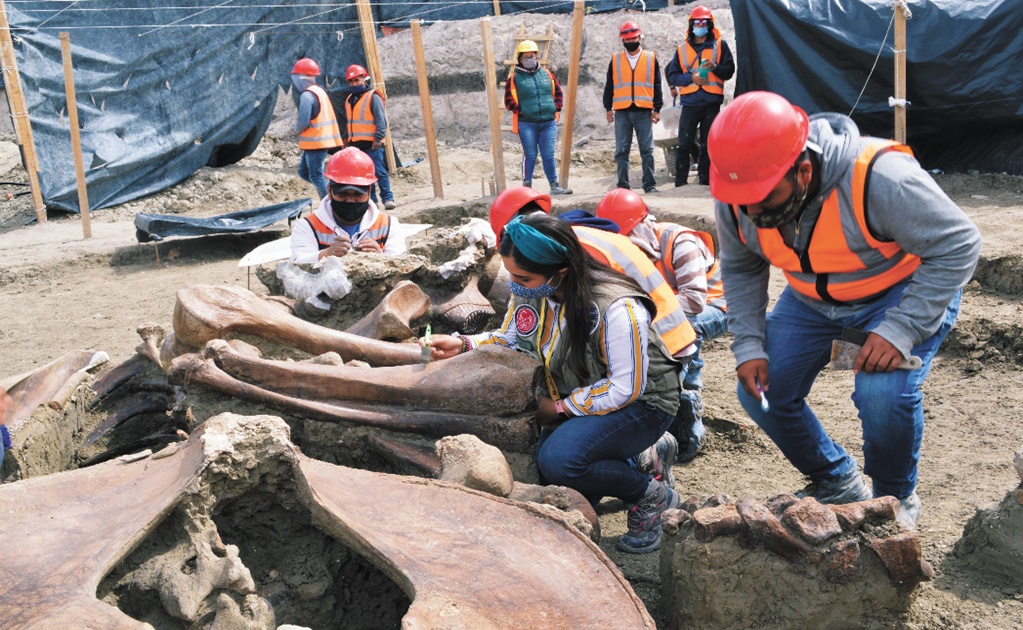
(534, 92)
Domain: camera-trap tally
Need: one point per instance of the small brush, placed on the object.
(424, 352)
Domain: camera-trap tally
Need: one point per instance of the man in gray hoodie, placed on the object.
(866, 240)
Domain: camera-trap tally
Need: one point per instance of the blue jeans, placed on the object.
(589, 453)
(310, 168)
(625, 123)
(710, 324)
(383, 178)
(889, 404)
(540, 136)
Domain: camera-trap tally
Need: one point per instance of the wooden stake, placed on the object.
(19, 113)
(900, 72)
(571, 88)
(76, 140)
(376, 73)
(497, 7)
(496, 148)
(424, 102)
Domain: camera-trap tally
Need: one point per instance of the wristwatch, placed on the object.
(560, 408)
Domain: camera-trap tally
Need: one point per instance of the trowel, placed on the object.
(845, 350)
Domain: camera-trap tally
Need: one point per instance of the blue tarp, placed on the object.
(963, 71)
(156, 227)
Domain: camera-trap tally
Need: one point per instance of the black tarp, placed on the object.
(156, 227)
(964, 73)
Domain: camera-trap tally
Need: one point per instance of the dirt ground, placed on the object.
(59, 292)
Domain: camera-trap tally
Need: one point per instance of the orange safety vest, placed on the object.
(619, 253)
(691, 63)
(843, 261)
(322, 132)
(633, 87)
(666, 235)
(515, 97)
(361, 125)
(379, 231)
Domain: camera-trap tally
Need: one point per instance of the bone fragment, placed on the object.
(139, 405)
(562, 498)
(203, 313)
(52, 382)
(842, 560)
(764, 529)
(152, 338)
(712, 522)
(673, 521)
(813, 522)
(109, 379)
(902, 559)
(423, 459)
(852, 516)
(467, 461)
(391, 319)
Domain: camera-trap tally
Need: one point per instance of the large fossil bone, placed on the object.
(391, 318)
(465, 558)
(205, 312)
(467, 311)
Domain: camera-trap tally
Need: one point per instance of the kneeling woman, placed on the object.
(612, 388)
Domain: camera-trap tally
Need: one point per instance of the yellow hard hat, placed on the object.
(526, 45)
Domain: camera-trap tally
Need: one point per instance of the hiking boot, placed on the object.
(909, 511)
(389, 204)
(652, 189)
(848, 489)
(681, 182)
(658, 459)
(644, 533)
(558, 190)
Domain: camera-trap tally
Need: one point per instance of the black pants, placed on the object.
(694, 116)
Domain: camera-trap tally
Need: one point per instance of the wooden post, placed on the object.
(497, 7)
(496, 148)
(424, 101)
(19, 113)
(572, 88)
(376, 73)
(671, 3)
(76, 140)
(900, 72)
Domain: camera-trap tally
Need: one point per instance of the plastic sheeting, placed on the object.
(156, 227)
(963, 74)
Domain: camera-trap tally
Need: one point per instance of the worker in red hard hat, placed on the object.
(346, 219)
(367, 128)
(867, 241)
(316, 124)
(685, 258)
(632, 99)
(698, 71)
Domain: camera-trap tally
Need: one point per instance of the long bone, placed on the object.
(205, 312)
(391, 318)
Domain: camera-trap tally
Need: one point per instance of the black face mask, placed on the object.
(785, 213)
(631, 46)
(348, 211)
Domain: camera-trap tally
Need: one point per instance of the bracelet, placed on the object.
(559, 407)
(465, 345)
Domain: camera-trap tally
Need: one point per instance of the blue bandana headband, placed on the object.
(535, 245)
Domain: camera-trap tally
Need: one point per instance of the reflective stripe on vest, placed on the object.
(633, 86)
(361, 125)
(618, 252)
(377, 232)
(691, 62)
(666, 235)
(843, 262)
(322, 132)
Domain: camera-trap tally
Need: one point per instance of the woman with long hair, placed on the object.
(610, 388)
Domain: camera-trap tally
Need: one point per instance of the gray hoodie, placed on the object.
(906, 206)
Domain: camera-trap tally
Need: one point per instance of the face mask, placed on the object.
(358, 89)
(631, 46)
(348, 211)
(700, 31)
(776, 217)
(529, 63)
(543, 291)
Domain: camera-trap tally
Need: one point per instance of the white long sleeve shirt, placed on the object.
(306, 249)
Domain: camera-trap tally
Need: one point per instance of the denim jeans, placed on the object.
(310, 168)
(589, 453)
(625, 123)
(540, 136)
(383, 178)
(691, 117)
(710, 324)
(889, 404)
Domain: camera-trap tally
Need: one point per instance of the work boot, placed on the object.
(688, 425)
(558, 190)
(650, 190)
(850, 488)
(680, 182)
(389, 204)
(527, 183)
(909, 511)
(644, 518)
(659, 458)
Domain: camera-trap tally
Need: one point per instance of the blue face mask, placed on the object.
(358, 89)
(700, 31)
(543, 291)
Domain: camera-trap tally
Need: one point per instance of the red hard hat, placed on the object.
(351, 166)
(624, 207)
(701, 12)
(511, 201)
(307, 67)
(629, 29)
(355, 71)
(752, 145)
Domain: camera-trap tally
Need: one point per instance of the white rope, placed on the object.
(876, 59)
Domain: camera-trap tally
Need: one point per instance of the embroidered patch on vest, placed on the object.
(593, 317)
(526, 320)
